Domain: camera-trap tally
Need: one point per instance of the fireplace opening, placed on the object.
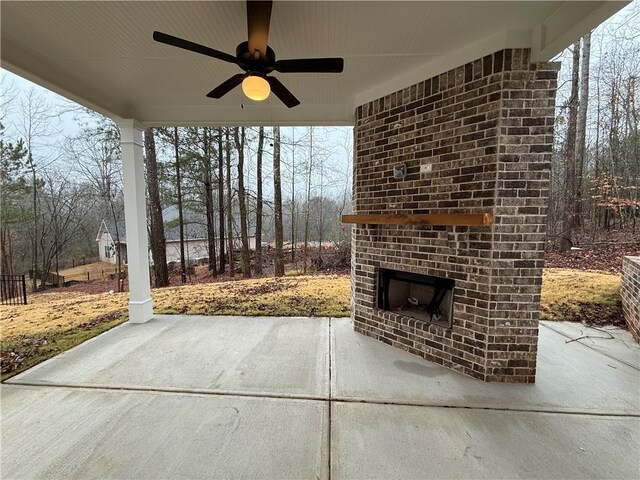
(421, 297)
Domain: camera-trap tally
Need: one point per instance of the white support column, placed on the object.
(135, 215)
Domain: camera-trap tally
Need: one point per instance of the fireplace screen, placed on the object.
(421, 297)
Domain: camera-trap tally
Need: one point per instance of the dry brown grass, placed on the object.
(564, 285)
(579, 295)
(60, 309)
(97, 270)
(322, 296)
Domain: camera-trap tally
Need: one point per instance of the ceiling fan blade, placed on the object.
(226, 86)
(258, 19)
(282, 92)
(310, 65)
(194, 47)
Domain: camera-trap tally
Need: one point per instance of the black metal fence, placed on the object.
(13, 290)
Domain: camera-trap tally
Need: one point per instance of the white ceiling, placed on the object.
(101, 54)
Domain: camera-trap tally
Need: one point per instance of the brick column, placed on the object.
(525, 147)
(476, 139)
(630, 293)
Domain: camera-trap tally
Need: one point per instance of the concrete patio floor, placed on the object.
(248, 397)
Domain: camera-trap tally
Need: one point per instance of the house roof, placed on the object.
(101, 54)
(195, 223)
(111, 229)
(192, 231)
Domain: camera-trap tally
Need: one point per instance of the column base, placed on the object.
(140, 311)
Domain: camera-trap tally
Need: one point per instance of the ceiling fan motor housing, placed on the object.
(247, 61)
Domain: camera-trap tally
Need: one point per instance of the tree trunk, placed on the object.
(293, 194)
(208, 196)
(307, 209)
(117, 246)
(229, 205)
(597, 217)
(221, 201)
(581, 134)
(570, 170)
(239, 137)
(321, 215)
(44, 271)
(158, 241)
(277, 200)
(259, 206)
(183, 264)
(34, 200)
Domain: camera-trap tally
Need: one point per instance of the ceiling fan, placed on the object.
(257, 59)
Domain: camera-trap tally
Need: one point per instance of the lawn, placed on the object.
(581, 296)
(58, 320)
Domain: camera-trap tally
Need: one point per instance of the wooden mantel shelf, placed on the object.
(447, 219)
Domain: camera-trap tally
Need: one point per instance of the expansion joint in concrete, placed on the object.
(316, 398)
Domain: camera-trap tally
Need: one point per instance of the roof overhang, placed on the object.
(101, 54)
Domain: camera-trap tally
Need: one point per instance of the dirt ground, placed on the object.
(603, 252)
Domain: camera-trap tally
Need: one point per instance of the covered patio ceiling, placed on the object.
(101, 54)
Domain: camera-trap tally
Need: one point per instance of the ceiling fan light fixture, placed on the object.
(256, 87)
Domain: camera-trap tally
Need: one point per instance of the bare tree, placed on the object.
(607, 166)
(34, 125)
(581, 134)
(229, 204)
(176, 146)
(239, 136)
(64, 207)
(158, 241)
(570, 170)
(221, 200)
(293, 194)
(277, 200)
(208, 195)
(259, 203)
(96, 155)
(308, 201)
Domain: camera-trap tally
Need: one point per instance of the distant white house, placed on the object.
(195, 236)
(108, 241)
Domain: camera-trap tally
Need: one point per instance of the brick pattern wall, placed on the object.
(485, 132)
(630, 293)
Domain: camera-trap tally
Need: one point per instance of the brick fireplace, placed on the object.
(476, 139)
